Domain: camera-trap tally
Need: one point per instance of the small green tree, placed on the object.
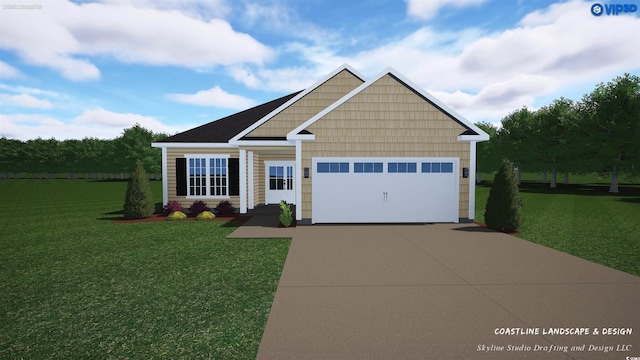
(504, 207)
(138, 202)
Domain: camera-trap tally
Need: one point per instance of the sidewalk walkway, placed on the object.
(444, 291)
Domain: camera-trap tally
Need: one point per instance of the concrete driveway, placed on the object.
(445, 291)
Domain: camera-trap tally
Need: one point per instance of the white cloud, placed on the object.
(63, 36)
(102, 118)
(427, 9)
(98, 123)
(214, 97)
(498, 99)
(205, 9)
(25, 100)
(8, 72)
(483, 75)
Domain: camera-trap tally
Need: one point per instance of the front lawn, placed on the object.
(580, 219)
(75, 285)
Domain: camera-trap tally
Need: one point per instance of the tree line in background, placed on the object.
(89, 155)
(600, 134)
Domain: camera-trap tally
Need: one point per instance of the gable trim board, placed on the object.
(304, 143)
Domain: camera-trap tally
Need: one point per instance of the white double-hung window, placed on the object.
(207, 175)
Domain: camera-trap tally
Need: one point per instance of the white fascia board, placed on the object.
(301, 137)
(296, 98)
(481, 137)
(264, 143)
(193, 145)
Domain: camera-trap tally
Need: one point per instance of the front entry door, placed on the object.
(279, 182)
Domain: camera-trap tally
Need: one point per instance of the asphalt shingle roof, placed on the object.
(222, 130)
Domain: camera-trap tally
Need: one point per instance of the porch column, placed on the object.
(298, 181)
(250, 171)
(243, 181)
(472, 180)
(165, 178)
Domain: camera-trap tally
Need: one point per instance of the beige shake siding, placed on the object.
(311, 104)
(386, 119)
(173, 153)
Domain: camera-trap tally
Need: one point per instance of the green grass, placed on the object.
(75, 285)
(581, 219)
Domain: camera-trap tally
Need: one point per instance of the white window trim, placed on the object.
(207, 158)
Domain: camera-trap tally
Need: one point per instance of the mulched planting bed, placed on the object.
(163, 217)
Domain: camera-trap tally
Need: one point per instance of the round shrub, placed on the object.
(225, 209)
(198, 206)
(205, 215)
(172, 206)
(176, 216)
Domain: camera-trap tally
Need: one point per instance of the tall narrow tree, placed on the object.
(138, 201)
(503, 211)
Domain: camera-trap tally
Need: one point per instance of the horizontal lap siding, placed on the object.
(173, 153)
(386, 120)
(311, 104)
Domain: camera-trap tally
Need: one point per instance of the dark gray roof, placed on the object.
(222, 130)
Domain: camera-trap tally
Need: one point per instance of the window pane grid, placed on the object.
(401, 167)
(367, 167)
(332, 167)
(208, 177)
(436, 167)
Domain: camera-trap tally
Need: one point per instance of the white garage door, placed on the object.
(366, 190)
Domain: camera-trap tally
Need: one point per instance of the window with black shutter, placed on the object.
(234, 176)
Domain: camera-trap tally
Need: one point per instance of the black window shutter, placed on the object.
(234, 176)
(181, 177)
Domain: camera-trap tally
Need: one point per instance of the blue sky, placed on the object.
(92, 68)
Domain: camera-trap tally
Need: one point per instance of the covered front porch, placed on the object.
(267, 175)
(264, 223)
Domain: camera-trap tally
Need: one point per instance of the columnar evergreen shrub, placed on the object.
(504, 207)
(138, 202)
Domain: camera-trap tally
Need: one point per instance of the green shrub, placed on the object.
(176, 215)
(504, 206)
(286, 217)
(138, 202)
(205, 215)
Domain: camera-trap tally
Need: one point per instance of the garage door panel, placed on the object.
(340, 198)
(415, 191)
